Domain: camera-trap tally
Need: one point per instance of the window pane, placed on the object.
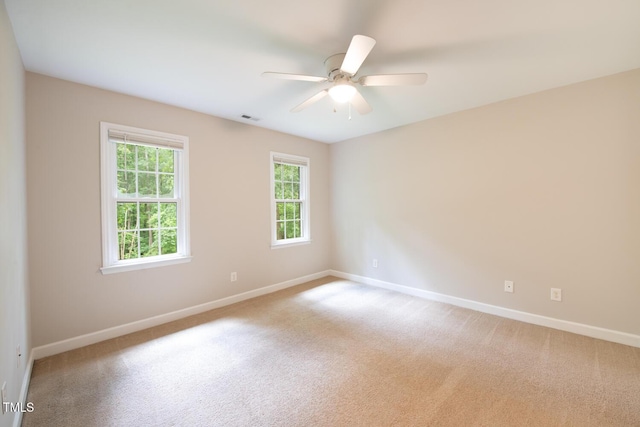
(166, 185)
(169, 242)
(147, 158)
(126, 154)
(144, 197)
(288, 190)
(147, 184)
(277, 169)
(289, 229)
(127, 183)
(148, 215)
(279, 211)
(127, 216)
(149, 244)
(287, 172)
(289, 210)
(168, 215)
(128, 245)
(279, 191)
(165, 160)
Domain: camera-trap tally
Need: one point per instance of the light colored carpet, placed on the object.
(336, 353)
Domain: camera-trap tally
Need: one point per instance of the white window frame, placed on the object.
(109, 193)
(305, 199)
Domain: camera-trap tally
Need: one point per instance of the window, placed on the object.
(145, 203)
(289, 199)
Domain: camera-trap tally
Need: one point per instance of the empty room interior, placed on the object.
(320, 213)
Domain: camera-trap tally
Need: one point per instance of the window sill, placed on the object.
(141, 265)
(288, 245)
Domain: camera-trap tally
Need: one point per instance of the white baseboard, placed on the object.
(17, 420)
(105, 334)
(563, 325)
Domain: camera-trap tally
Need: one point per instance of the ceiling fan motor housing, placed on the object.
(333, 64)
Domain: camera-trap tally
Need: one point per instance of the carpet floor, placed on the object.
(336, 353)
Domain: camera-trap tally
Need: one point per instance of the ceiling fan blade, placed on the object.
(360, 104)
(356, 54)
(393, 79)
(318, 96)
(288, 76)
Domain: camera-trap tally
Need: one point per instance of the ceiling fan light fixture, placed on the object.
(342, 69)
(342, 92)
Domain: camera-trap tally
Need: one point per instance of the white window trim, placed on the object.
(304, 185)
(108, 177)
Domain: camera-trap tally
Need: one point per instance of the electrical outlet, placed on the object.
(508, 286)
(3, 393)
(234, 276)
(375, 263)
(556, 294)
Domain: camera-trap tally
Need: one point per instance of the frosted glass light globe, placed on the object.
(342, 92)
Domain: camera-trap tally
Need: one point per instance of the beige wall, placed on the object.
(230, 211)
(543, 190)
(14, 324)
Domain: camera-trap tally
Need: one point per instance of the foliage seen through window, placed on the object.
(147, 224)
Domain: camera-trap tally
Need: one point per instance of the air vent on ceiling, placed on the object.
(244, 116)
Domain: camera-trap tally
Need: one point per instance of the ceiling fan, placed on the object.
(341, 72)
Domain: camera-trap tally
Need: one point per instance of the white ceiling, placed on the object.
(208, 55)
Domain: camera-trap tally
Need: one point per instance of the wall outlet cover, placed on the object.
(508, 286)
